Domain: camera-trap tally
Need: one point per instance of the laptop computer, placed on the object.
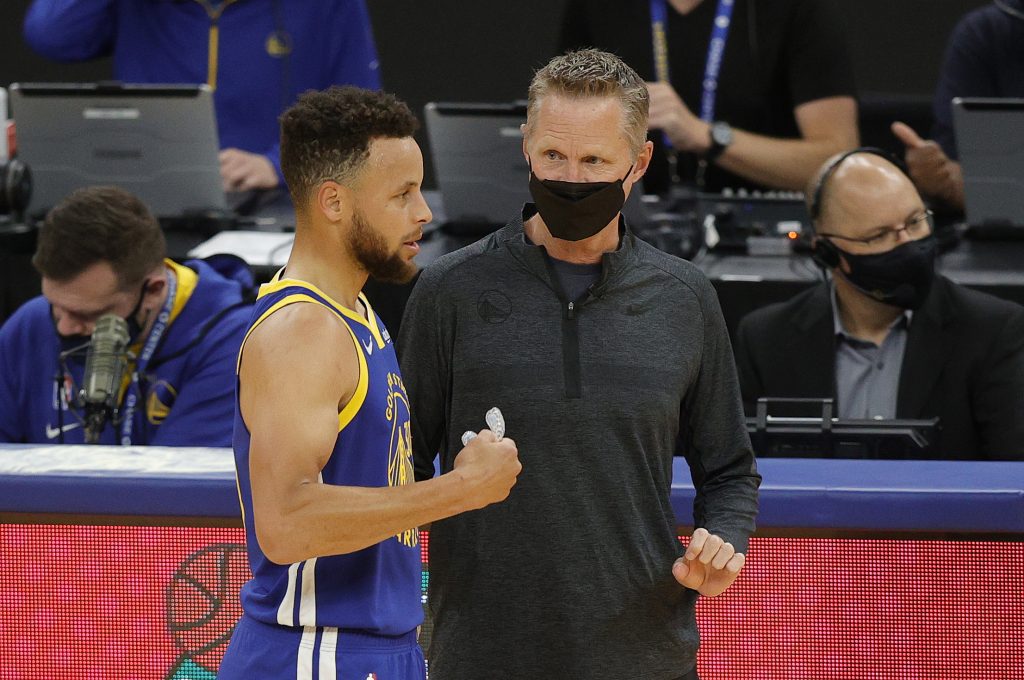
(157, 141)
(478, 163)
(990, 143)
(481, 173)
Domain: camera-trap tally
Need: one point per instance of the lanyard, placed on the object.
(716, 48)
(152, 342)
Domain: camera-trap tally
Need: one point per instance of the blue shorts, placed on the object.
(262, 650)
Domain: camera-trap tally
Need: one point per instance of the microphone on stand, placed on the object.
(105, 364)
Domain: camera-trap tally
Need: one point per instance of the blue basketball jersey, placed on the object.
(376, 589)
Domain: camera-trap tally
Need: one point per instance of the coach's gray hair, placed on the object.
(593, 73)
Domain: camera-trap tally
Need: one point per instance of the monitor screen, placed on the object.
(990, 143)
(878, 439)
(157, 141)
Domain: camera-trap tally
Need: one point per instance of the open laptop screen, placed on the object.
(478, 162)
(990, 143)
(157, 141)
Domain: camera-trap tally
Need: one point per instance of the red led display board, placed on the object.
(128, 602)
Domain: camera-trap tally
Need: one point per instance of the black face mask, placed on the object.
(76, 344)
(574, 211)
(901, 277)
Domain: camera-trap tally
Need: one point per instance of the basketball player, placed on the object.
(322, 440)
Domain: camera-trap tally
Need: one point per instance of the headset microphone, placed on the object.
(105, 366)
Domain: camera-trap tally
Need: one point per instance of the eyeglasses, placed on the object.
(918, 226)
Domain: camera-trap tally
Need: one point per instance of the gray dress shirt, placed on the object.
(868, 375)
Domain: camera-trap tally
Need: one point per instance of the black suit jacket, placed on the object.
(964, 362)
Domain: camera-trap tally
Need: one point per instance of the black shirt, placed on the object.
(779, 54)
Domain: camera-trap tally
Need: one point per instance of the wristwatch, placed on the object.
(721, 138)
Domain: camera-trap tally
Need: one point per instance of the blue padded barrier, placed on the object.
(924, 496)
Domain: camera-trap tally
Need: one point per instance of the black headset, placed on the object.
(824, 253)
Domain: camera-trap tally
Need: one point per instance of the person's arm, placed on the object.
(827, 126)
(297, 369)
(998, 396)
(71, 30)
(423, 348)
(714, 439)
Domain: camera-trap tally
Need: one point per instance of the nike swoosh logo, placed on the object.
(369, 347)
(53, 432)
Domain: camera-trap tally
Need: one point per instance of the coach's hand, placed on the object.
(709, 566)
(488, 468)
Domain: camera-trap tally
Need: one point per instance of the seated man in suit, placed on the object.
(886, 336)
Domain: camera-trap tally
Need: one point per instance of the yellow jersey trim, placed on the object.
(241, 503)
(348, 413)
(356, 402)
(370, 321)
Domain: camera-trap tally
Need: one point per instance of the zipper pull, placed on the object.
(572, 307)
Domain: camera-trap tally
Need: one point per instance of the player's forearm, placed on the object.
(779, 163)
(323, 519)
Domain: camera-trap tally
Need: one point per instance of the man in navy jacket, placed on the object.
(101, 252)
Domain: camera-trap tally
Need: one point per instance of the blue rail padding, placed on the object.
(925, 496)
(113, 480)
(885, 495)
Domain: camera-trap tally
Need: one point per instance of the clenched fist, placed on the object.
(709, 566)
(489, 468)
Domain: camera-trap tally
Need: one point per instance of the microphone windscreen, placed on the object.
(106, 361)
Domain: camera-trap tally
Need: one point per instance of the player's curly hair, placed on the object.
(326, 135)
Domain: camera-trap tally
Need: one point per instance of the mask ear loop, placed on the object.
(133, 323)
